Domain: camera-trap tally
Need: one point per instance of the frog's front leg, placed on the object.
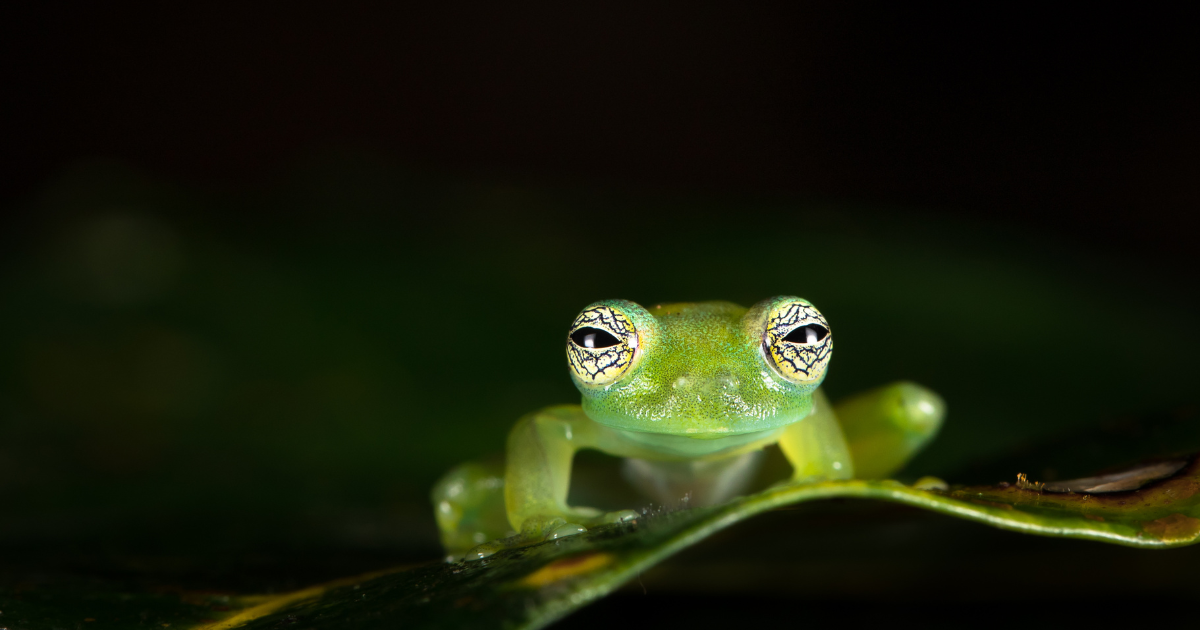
(870, 436)
(815, 446)
(541, 448)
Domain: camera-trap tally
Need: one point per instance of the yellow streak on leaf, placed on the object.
(567, 567)
(272, 604)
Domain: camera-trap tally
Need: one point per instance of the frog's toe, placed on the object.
(559, 528)
(538, 528)
(479, 552)
(620, 516)
(564, 530)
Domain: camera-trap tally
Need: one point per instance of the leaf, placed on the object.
(98, 605)
(531, 587)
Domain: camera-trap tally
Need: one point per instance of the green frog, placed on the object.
(690, 394)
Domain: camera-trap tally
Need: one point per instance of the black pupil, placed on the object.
(811, 333)
(594, 338)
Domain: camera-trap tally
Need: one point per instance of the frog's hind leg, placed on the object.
(886, 427)
(693, 483)
(468, 502)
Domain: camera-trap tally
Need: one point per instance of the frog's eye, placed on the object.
(589, 337)
(797, 341)
(601, 345)
(810, 334)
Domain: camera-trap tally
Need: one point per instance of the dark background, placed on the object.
(246, 250)
(1080, 122)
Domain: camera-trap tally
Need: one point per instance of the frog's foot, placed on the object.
(541, 528)
(537, 529)
(573, 521)
(469, 506)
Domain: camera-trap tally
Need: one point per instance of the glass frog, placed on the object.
(690, 393)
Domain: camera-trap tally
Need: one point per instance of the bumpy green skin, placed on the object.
(689, 382)
(701, 373)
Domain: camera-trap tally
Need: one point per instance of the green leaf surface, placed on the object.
(531, 587)
(98, 605)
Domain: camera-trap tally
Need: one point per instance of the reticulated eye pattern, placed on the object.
(589, 337)
(601, 344)
(798, 340)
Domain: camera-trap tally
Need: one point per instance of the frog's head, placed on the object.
(705, 369)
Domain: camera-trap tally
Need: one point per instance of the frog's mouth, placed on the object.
(695, 424)
(701, 444)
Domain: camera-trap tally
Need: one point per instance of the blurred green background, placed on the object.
(258, 263)
(181, 377)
